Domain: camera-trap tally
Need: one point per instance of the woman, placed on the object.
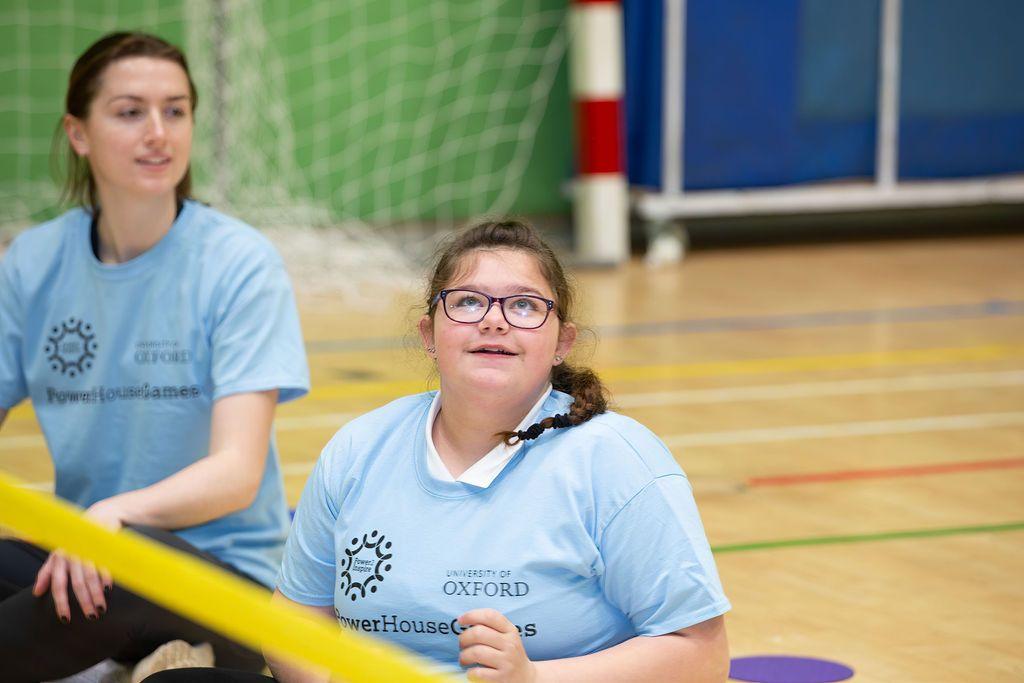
(507, 523)
(155, 337)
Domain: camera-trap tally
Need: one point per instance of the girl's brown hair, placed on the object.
(591, 396)
(78, 185)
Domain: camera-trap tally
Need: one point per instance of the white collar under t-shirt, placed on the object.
(484, 471)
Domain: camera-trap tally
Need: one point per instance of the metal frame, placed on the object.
(673, 107)
(887, 137)
(885, 192)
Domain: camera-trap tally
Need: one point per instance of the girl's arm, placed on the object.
(695, 654)
(286, 672)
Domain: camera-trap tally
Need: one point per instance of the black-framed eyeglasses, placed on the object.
(525, 311)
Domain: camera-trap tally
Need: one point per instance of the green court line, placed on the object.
(863, 538)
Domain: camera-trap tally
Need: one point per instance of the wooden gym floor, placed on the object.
(851, 417)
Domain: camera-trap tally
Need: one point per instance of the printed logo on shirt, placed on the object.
(137, 392)
(163, 352)
(71, 347)
(364, 565)
(398, 623)
(491, 583)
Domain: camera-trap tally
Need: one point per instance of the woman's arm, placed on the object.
(696, 654)
(223, 482)
(286, 672)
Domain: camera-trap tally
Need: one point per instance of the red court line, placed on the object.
(885, 473)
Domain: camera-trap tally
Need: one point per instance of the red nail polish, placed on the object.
(64, 620)
(91, 617)
(102, 610)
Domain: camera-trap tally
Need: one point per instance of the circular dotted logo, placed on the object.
(71, 347)
(364, 565)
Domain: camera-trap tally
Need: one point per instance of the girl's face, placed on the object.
(492, 357)
(138, 133)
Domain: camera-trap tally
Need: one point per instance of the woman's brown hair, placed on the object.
(78, 185)
(589, 394)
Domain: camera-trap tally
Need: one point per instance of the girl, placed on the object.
(507, 523)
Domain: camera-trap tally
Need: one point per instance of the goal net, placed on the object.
(352, 131)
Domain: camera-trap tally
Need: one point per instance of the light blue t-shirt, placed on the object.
(588, 537)
(124, 362)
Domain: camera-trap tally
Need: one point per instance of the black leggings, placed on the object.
(36, 646)
(207, 676)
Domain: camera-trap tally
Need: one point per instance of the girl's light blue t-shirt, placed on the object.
(124, 362)
(588, 537)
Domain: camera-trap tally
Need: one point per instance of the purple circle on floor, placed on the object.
(787, 669)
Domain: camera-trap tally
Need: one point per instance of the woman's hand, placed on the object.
(492, 645)
(87, 582)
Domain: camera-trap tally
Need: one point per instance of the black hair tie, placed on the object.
(535, 430)
(532, 432)
(559, 421)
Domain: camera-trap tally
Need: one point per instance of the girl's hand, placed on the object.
(492, 645)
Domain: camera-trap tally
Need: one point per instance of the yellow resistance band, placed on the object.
(207, 594)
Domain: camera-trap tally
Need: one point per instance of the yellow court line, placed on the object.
(753, 366)
(845, 361)
(207, 594)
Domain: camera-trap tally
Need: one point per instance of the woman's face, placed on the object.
(491, 357)
(137, 136)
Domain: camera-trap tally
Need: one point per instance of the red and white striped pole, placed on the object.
(601, 196)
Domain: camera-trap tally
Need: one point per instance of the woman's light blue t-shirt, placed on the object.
(588, 537)
(124, 362)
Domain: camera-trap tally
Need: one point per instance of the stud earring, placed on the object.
(431, 350)
(558, 359)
